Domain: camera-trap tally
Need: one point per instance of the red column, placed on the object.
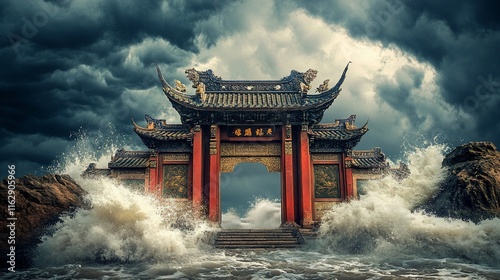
(287, 176)
(348, 178)
(306, 179)
(153, 173)
(214, 197)
(197, 168)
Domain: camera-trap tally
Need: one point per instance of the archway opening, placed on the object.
(250, 197)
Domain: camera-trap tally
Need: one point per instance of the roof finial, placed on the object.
(342, 78)
(160, 76)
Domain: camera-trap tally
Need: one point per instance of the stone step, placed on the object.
(257, 246)
(258, 238)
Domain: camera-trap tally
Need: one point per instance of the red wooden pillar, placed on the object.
(306, 179)
(214, 197)
(197, 168)
(348, 177)
(153, 173)
(287, 176)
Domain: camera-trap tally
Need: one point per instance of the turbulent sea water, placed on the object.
(127, 235)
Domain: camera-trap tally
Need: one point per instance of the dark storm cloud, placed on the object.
(65, 66)
(460, 39)
(72, 64)
(398, 92)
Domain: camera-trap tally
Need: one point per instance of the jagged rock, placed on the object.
(471, 189)
(39, 202)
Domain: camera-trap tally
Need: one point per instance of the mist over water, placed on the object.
(129, 235)
(264, 213)
(121, 225)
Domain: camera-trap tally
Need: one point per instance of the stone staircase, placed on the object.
(258, 238)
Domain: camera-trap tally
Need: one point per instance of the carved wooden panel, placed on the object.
(175, 180)
(288, 148)
(176, 157)
(272, 164)
(326, 181)
(250, 149)
(321, 208)
(332, 157)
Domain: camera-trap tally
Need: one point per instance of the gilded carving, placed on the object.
(180, 86)
(288, 148)
(175, 180)
(213, 131)
(326, 181)
(272, 164)
(348, 164)
(332, 157)
(305, 127)
(251, 131)
(323, 86)
(250, 149)
(288, 131)
(213, 139)
(152, 163)
(213, 147)
(176, 157)
(321, 208)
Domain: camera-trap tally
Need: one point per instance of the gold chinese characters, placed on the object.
(251, 131)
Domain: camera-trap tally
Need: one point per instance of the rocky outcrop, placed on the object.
(38, 203)
(471, 189)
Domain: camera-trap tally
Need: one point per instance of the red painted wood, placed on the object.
(306, 181)
(153, 175)
(214, 196)
(197, 169)
(349, 181)
(288, 184)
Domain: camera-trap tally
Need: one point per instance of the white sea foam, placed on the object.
(120, 224)
(264, 213)
(378, 236)
(385, 224)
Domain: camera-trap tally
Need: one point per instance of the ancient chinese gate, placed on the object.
(275, 123)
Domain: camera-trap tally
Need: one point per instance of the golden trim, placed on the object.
(176, 157)
(288, 148)
(250, 149)
(333, 157)
(288, 132)
(272, 164)
(213, 147)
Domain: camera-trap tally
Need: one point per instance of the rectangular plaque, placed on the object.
(175, 180)
(251, 131)
(326, 181)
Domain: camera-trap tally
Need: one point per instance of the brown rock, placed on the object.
(39, 202)
(471, 189)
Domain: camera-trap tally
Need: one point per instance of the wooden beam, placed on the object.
(214, 213)
(197, 168)
(288, 198)
(305, 179)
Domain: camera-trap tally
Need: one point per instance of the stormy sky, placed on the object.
(419, 68)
